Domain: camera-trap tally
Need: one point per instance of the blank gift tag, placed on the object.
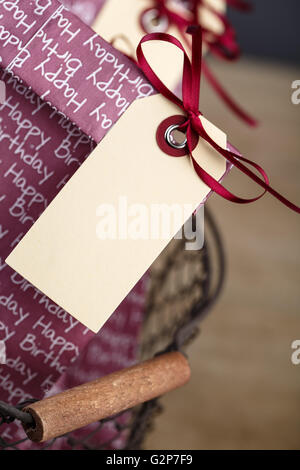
(63, 254)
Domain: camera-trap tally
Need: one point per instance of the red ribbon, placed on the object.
(224, 45)
(190, 105)
(239, 5)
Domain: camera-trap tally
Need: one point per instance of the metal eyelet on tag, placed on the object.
(153, 21)
(171, 139)
(166, 140)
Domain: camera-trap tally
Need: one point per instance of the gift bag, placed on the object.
(41, 148)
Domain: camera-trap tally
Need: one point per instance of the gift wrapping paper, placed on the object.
(42, 143)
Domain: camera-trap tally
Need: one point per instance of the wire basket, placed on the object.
(183, 288)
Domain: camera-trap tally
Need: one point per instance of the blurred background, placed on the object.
(271, 30)
(245, 391)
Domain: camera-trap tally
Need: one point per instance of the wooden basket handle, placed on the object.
(105, 397)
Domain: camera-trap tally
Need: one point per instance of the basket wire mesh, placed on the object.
(184, 286)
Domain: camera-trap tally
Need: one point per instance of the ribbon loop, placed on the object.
(190, 105)
(223, 45)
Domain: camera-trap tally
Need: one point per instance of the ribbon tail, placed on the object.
(219, 188)
(210, 181)
(224, 45)
(236, 160)
(224, 50)
(226, 97)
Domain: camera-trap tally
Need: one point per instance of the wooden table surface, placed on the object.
(245, 392)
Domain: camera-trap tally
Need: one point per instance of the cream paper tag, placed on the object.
(118, 23)
(62, 254)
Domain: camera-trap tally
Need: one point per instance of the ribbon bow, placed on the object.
(224, 45)
(190, 105)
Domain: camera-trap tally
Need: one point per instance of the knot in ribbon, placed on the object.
(189, 104)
